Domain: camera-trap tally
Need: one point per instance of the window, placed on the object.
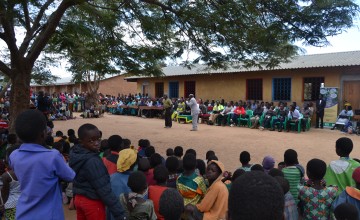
(312, 87)
(189, 88)
(282, 89)
(159, 89)
(173, 89)
(254, 89)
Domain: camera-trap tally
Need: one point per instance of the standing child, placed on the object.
(244, 160)
(191, 186)
(339, 172)
(91, 185)
(39, 179)
(292, 172)
(290, 209)
(136, 206)
(315, 197)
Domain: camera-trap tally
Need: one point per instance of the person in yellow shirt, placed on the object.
(179, 110)
(167, 107)
(215, 113)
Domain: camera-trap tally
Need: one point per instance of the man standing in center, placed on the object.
(194, 111)
(320, 107)
(167, 106)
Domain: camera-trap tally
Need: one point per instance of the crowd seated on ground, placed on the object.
(185, 185)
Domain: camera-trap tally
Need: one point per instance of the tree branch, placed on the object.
(164, 7)
(49, 29)
(26, 14)
(5, 69)
(9, 33)
(30, 32)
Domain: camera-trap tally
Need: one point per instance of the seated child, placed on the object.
(315, 197)
(144, 166)
(244, 160)
(290, 209)
(215, 203)
(268, 163)
(172, 164)
(170, 152)
(292, 172)
(136, 206)
(350, 194)
(256, 195)
(115, 145)
(190, 185)
(171, 204)
(160, 176)
(339, 172)
(346, 211)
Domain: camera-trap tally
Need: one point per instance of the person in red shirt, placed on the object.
(238, 111)
(115, 143)
(155, 191)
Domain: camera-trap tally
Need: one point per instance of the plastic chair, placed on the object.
(246, 120)
(292, 124)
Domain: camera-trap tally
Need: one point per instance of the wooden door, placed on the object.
(352, 93)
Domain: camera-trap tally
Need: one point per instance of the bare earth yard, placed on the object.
(227, 142)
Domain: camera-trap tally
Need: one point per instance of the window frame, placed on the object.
(178, 87)
(186, 94)
(247, 89)
(156, 89)
(303, 90)
(273, 89)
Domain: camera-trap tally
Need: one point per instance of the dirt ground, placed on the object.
(227, 142)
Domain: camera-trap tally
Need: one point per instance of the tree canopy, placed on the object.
(138, 35)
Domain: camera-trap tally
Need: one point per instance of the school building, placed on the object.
(110, 86)
(299, 80)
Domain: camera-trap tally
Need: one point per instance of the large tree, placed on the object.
(256, 32)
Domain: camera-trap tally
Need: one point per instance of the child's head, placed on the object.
(71, 132)
(290, 157)
(237, 173)
(209, 153)
(346, 211)
(127, 160)
(191, 151)
(12, 138)
(144, 143)
(30, 126)
(172, 164)
(212, 157)
(137, 182)
(104, 145)
(149, 151)
(89, 137)
(284, 183)
(214, 170)
(144, 164)
(244, 158)
(178, 151)
(155, 160)
(257, 167)
(201, 166)
(316, 169)
(59, 134)
(169, 152)
(126, 143)
(171, 204)
(189, 162)
(161, 174)
(246, 191)
(115, 143)
(268, 163)
(276, 172)
(344, 147)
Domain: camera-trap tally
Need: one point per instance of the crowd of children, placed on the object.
(112, 179)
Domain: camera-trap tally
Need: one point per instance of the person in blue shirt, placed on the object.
(38, 169)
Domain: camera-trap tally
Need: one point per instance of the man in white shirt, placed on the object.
(194, 111)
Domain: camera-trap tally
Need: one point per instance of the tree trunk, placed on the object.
(91, 99)
(19, 95)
